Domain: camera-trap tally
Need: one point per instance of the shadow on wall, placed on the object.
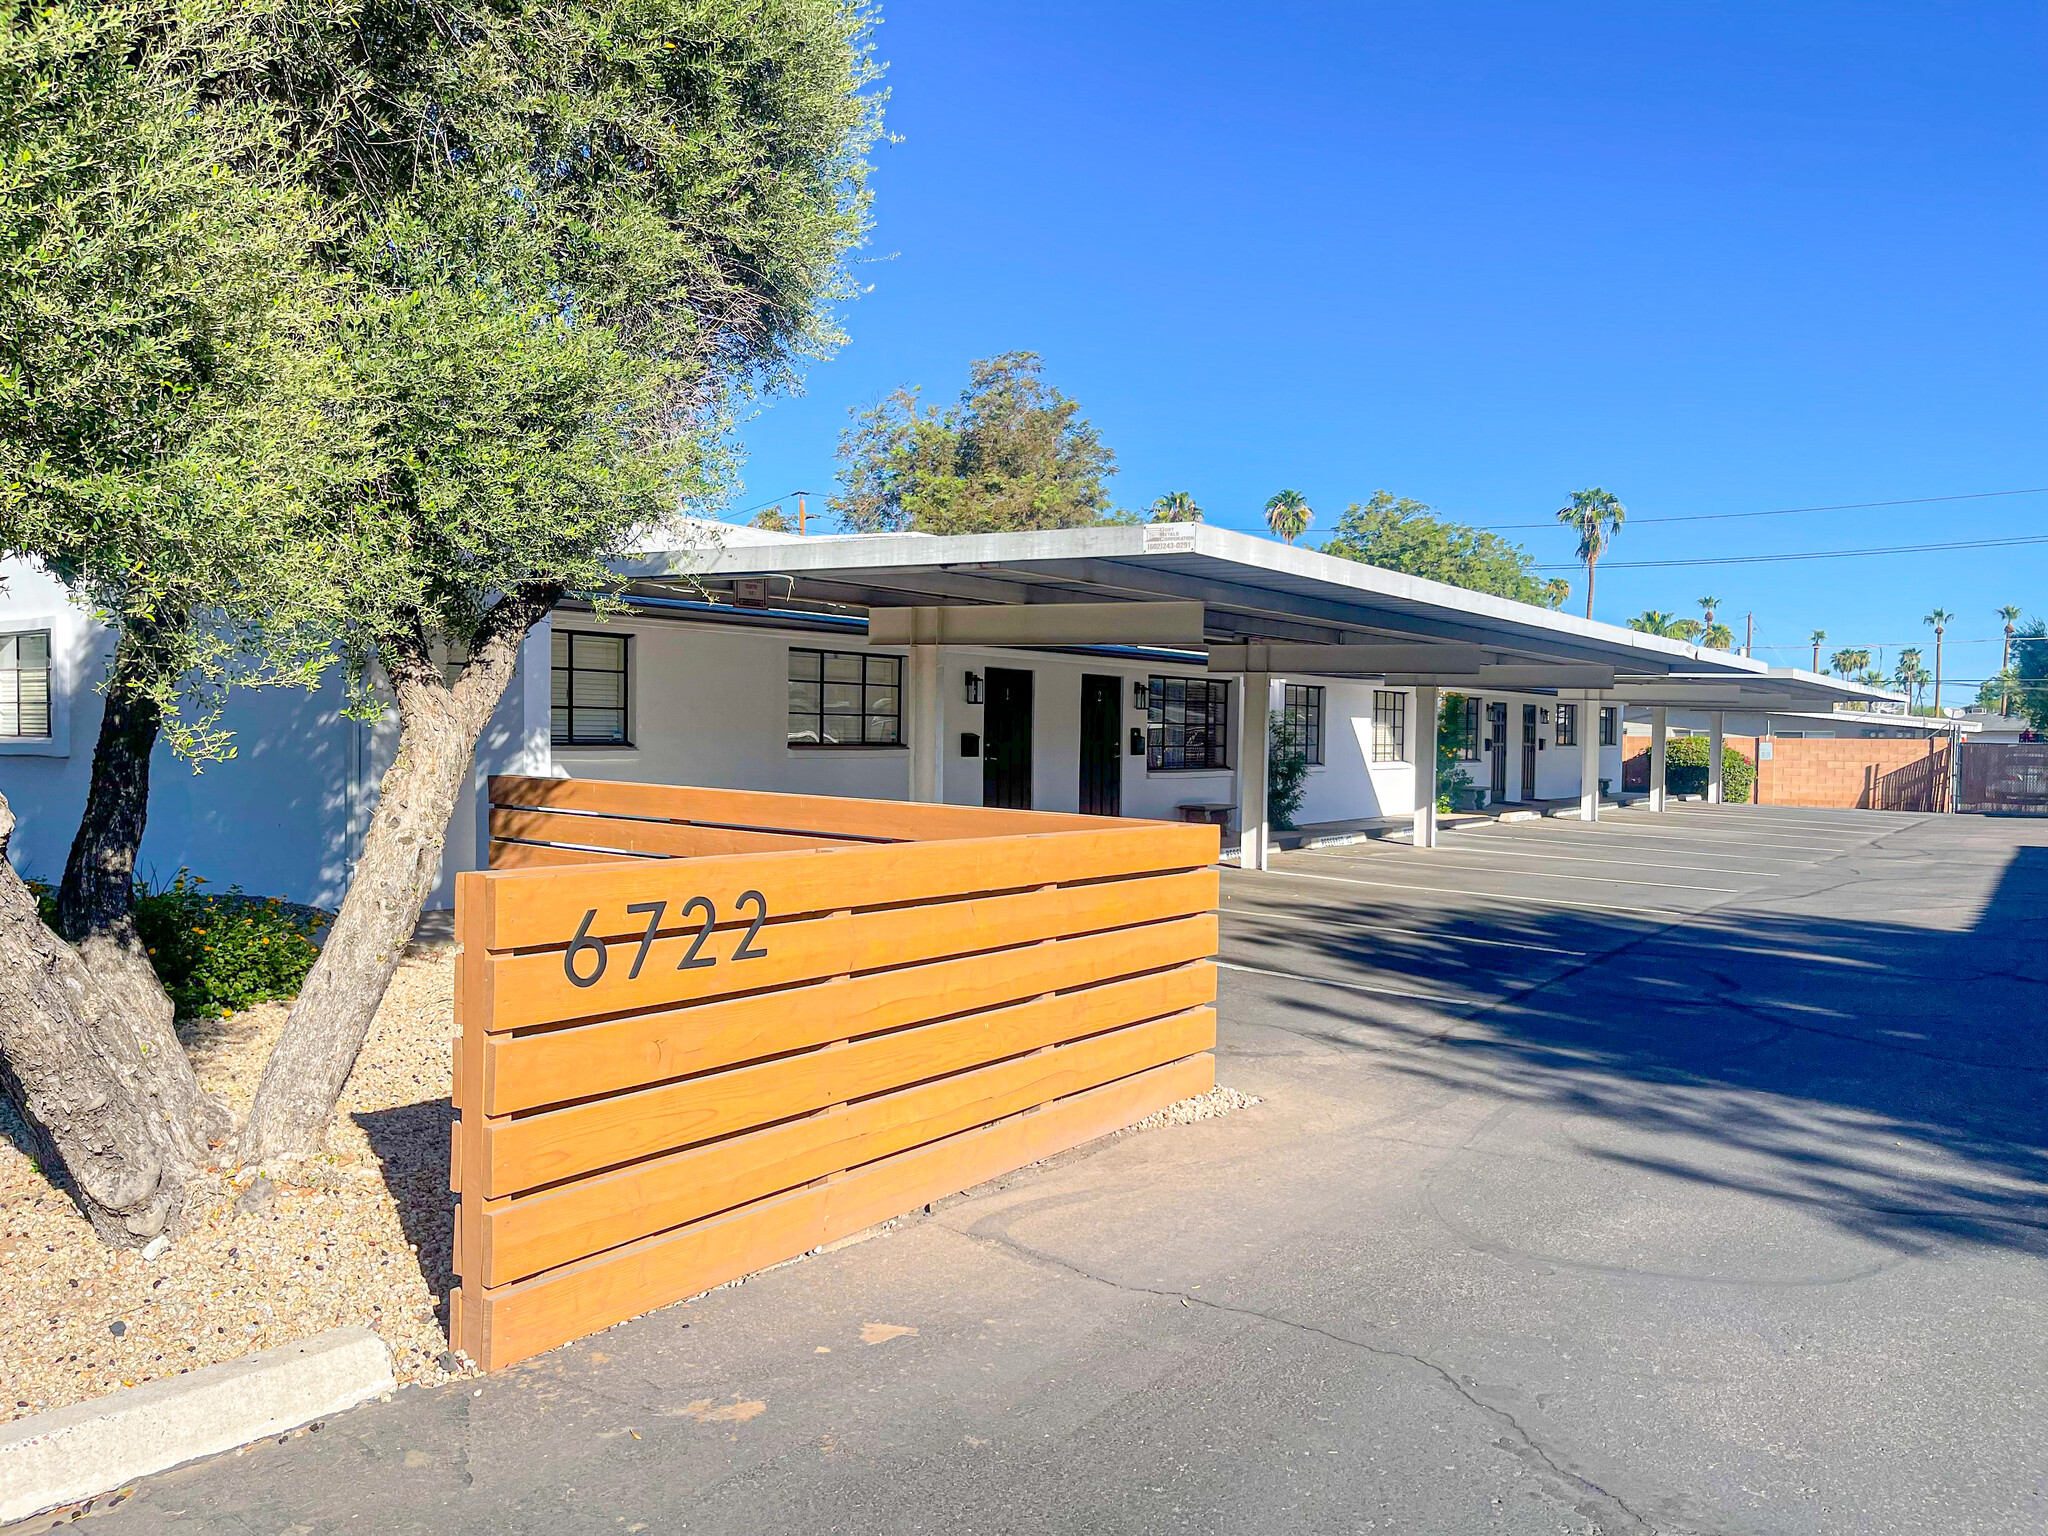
(1888, 1076)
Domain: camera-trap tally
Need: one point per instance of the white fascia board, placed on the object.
(1510, 676)
(1346, 660)
(1172, 623)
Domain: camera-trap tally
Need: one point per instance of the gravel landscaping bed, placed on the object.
(365, 1237)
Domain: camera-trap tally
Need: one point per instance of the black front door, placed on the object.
(1528, 751)
(1102, 762)
(1497, 739)
(1006, 740)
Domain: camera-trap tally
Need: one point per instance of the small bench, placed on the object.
(1215, 813)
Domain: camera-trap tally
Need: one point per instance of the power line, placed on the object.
(1847, 506)
(1819, 554)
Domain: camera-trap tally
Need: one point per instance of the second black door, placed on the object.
(1528, 751)
(1006, 740)
(1102, 763)
(1497, 730)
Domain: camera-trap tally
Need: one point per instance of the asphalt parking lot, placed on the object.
(1682, 1172)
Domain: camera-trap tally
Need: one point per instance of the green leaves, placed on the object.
(1398, 534)
(1014, 453)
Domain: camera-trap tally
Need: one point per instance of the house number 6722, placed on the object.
(591, 969)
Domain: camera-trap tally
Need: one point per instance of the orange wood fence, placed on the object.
(703, 1031)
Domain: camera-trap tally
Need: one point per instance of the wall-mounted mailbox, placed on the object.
(970, 744)
(1137, 741)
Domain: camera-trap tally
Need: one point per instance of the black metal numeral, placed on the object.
(690, 962)
(746, 951)
(654, 909)
(583, 941)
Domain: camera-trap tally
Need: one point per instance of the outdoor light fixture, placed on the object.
(1141, 694)
(974, 687)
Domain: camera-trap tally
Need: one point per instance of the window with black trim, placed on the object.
(588, 684)
(1567, 725)
(1389, 726)
(25, 685)
(1301, 717)
(1190, 724)
(1610, 726)
(1468, 743)
(844, 699)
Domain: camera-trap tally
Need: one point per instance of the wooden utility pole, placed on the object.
(1749, 636)
(803, 518)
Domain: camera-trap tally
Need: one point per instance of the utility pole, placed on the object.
(1748, 634)
(803, 518)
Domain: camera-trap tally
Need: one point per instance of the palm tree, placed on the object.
(1815, 639)
(1707, 607)
(1596, 516)
(1848, 662)
(1176, 507)
(2011, 616)
(1654, 621)
(1909, 674)
(1940, 619)
(1719, 636)
(1288, 515)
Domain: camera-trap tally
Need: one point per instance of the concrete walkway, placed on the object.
(1679, 1173)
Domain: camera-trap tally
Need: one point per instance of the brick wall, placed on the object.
(1836, 772)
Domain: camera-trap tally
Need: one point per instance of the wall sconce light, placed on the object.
(974, 687)
(1141, 695)
(1544, 715)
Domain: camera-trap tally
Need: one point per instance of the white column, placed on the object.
(1425, 767)
(1715, 720)
(1255, 700)
(1589, 758)
(1660, 722)
(925, 712)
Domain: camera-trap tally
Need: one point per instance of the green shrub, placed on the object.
(216, 953)
(1685, 769)
(1286, 774)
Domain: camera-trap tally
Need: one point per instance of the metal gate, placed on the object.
(2006, 777)
(1915, 786)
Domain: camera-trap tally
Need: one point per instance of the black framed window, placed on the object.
(1610, 726)
(1468, 743)
(1567, 725)
(1389, 726)
(1301, 717)
(844, 699)
(1190, 724)
(588, 689)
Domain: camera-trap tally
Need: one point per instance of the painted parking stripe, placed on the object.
(1414, 933)
(1358, 986)
(1551, 874)
(1540, 846)
(1567, 858)
(1413, 889)
(1610, 831)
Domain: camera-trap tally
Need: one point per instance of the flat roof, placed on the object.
(1251, 589)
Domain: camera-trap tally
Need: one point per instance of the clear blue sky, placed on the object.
(1716, 258)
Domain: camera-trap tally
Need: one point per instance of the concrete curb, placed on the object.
(91, 1448)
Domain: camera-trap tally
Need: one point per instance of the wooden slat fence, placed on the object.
(703, 1031)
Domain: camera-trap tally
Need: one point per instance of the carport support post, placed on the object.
(1256, 702)
(1660, 724)
(1589, 758)
(1425, 766)
(926, 722)
(1715, 720)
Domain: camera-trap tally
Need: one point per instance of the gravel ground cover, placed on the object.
(363, 1236)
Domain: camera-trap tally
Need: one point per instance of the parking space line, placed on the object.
(1610, 831)
(1569, 858)
(1690, 851)
(1551, 874)
(1352, 916)
(1414, 889)
(1354, 986)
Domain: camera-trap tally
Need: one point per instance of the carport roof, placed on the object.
(1251, 589)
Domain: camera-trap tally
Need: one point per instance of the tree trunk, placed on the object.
(89, 1077)
(1589, 589)
(401, 860)
(96, 902)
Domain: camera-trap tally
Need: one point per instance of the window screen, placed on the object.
(844, 699)
(1389, 726)
(1567, 725)
(1610, 721)
(1468, 745)
(25, 685)
(1190, 724)
(1301, 717)
(589, 689)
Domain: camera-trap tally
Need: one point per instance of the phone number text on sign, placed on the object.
(597, 956)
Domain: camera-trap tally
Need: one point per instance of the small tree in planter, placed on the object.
(1685, 769)
(1455, 790)
(1286, 773)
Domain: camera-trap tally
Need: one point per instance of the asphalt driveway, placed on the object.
(1678, 1173)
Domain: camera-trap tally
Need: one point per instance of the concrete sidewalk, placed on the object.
(1698, 1184)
